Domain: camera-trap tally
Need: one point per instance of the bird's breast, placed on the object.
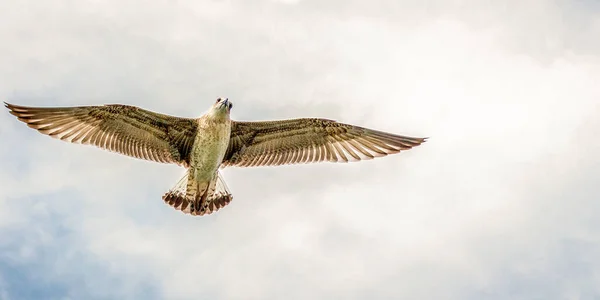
(209, 148)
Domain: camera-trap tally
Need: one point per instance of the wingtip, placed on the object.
(11, 108)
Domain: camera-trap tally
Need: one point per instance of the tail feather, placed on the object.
(190, 200)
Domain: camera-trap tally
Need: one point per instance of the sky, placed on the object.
(500, 203)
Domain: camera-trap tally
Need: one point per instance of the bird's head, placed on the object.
(221, 108)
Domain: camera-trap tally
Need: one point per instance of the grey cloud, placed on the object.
(499, 201)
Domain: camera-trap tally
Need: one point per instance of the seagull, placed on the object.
(211, 142)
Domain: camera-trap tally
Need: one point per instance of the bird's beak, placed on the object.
(225, 102)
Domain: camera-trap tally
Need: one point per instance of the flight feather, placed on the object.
(308, 140)
(124, 129)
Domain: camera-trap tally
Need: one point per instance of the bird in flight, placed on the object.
(210, 142)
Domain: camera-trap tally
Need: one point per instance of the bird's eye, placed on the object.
(218, 100)
(230, 105)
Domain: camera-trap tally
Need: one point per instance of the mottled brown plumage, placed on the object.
(128, 130)
(143, 134)
(307, 140)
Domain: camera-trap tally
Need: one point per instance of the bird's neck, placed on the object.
(216, 117)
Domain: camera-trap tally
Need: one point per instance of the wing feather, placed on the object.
(125, 129)
(309, 140)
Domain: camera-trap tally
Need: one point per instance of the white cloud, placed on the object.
(498, 201)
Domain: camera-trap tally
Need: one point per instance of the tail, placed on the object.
(189, 197)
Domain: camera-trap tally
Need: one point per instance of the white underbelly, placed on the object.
(208, 152)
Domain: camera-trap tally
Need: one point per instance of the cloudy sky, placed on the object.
(501, 203)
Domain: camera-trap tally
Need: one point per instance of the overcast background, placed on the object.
(501, 203)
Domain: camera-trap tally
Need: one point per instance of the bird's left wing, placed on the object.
(124, 129)
(308, 140)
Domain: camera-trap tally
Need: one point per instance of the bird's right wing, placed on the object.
(308, 140)
(125, 129)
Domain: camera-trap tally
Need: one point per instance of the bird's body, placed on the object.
(210, 142)
(210, 145)
(208, 150)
